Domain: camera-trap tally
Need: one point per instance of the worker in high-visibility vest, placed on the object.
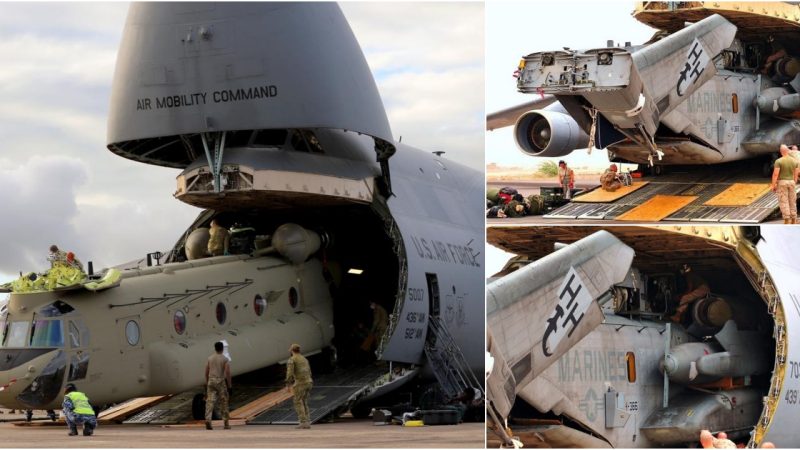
(77, 411)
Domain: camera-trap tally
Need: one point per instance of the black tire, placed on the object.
(199, 407)
(329, 359)
(361, 411)
(767, 167)
(659, 170)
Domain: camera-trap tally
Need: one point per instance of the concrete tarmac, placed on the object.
(344, 433)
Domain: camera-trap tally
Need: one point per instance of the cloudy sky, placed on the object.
(59, 184)
(515, 29)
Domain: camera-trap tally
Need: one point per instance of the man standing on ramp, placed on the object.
(298, 371)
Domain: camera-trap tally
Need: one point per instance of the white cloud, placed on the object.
(409, 35)
(428, 63)
(38, 198)
(438, 111)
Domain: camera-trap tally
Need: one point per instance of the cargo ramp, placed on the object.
(272, 403)
(330, 393)
(706, 191)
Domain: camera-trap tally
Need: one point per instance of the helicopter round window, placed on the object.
(222, 313)
(259, 304)
(293, 297)
(179, 321)
(132, 332)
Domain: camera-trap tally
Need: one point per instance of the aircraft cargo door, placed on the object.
(409, 323)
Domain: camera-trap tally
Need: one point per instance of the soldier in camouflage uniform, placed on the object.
(610, 181)
(219, 239)
(298, 378)
(515, 208)
(218, 385)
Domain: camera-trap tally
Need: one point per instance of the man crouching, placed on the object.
(77, 411)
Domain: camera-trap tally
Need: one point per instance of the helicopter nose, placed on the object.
(18, 367)
(13, 358)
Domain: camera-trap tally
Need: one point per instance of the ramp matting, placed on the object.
(742, 202)
(657, 208)
(739, 194)
(600, 195)
(328, 394)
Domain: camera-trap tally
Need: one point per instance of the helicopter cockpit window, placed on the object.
(47, 333)
(74, 335)
(78, 366)
(16, 334)
(55, 309)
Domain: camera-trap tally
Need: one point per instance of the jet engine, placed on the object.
(548, 133)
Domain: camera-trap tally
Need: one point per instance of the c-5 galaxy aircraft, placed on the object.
(715, 83)
(585, 355)
(273, 115)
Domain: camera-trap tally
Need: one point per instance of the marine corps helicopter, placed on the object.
(716, 90)
(716, 83)
(271, 111)
(587, 352)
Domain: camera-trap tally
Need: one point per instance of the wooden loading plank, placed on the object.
(118, 413)
(657, 208)
(739, 194)
(261, 404)
(600, 196)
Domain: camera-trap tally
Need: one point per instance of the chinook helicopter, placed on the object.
(585, 354)
(272, 114)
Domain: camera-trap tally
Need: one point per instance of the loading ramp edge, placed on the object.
(329, 393)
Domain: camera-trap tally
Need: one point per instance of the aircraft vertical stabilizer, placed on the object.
(676, 66)
(539, 312)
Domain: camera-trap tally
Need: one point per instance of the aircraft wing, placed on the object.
(536, 314)
(508, 117)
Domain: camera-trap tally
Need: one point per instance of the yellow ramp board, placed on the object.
(599, 195)
(739, 194)
(657, 208)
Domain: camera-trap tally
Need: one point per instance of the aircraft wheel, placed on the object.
(198, 407)
(659, 170)
(360, 411)
(766, 168)
(329, 359)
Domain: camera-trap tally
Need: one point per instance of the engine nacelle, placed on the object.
(548, 133)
